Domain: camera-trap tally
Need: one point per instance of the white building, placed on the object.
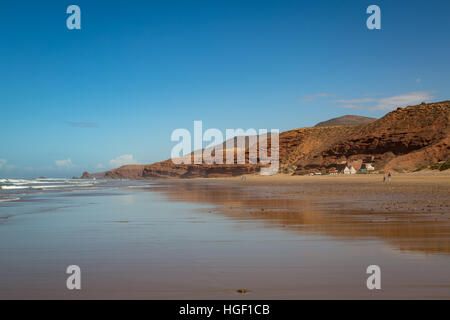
(350, 170)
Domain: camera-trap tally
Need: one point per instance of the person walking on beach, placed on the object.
(389, 177)
(384, 178)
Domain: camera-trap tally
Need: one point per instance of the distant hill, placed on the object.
(405, 139)
(344, 120)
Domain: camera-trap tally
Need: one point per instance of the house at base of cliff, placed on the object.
(339, 167)
(355, 163)
(349, 170)
(367, 167)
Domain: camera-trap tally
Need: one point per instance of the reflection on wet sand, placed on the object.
(216, 239)
(426, 233)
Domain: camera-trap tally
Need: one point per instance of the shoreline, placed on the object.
(425, 192)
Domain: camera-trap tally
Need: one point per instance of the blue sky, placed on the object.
(113, 92)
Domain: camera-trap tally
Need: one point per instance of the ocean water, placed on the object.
(13, 189)
(154, 240)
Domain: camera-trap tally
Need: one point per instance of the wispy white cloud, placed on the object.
(122, 160)
(352, 106)
(82, 124)
(387, 103)
(64, 164)
(356, 101)
(403, 100)
(101, 166)
(5, 166)
(312, 97)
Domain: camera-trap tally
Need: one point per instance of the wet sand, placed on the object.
(411, 211)
(420, 192)
(264, 238)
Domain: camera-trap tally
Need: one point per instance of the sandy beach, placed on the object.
(422, 192)
(411, 210)
(277, 237)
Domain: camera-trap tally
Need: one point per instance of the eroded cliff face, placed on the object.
(167, 169)
(403, 140)
(421, 132)
(86, 175)
(303, 145)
